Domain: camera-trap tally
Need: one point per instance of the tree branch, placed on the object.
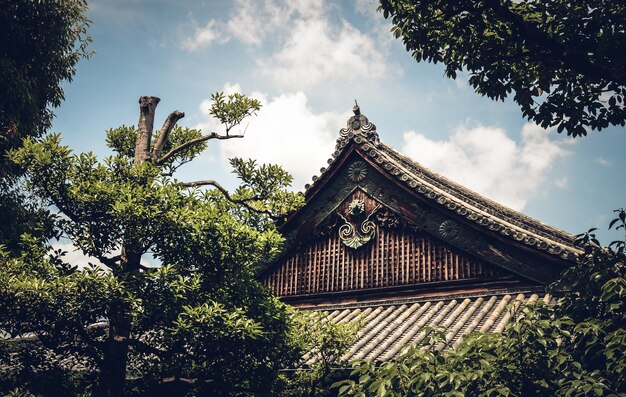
(191, 143)
(569, 57)
(111, 263)
(169, 123)
(147, 107)
(244, 201)
(146, 348)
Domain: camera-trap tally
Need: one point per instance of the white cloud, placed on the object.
(286, 132)
(368, 9)
(318, 52)
(252, 21)
(603, 161)
(486, 160)
(308, 45)
(562, 182)
(203, 36)
(245, 24)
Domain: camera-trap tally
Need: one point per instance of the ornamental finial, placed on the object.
(356, 109)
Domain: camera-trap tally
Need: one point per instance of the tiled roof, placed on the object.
(478, 209)
(388, 326)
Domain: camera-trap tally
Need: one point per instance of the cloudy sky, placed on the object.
(307, 62)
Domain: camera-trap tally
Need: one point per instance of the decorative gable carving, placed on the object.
(375, 220)
(364, 245)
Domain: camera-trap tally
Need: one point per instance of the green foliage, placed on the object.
(232, 109)
(324, 343)
(20, 213)
(42, 41)
(198, 324)
(576, 347)
(40, 44)
(564, 61)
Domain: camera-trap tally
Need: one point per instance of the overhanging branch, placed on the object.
(191, 143)
(242, 201)
(569, 57)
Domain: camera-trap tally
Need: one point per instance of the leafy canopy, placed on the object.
(563, 61)
(41, 43)
(199, 322)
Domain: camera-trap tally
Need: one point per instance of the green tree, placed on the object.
(199, 323)
(324, 343)
(564, 61)
(575, 348)
(40, 44)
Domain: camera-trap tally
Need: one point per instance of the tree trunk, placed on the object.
(147, 107)
(113, 376)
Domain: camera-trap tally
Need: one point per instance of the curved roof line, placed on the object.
(478, 209)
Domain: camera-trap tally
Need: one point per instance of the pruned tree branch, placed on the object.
(169, 123)
(191, 143)
(147, 107)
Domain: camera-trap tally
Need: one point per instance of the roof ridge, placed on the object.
(465, 202)
(473, 195)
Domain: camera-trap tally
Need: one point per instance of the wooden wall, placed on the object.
(396, 257)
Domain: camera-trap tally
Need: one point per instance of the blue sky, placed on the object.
(308, 61)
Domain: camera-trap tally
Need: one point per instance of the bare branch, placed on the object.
(169, 123)
(191, 143)
(146, 348)
(147, 107)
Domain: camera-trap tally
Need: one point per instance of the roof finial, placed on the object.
(356, 109)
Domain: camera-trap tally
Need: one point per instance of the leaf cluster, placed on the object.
(42, 41)
(231, 109)
(322, 343)
(563, 61)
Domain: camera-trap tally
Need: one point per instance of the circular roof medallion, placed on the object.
(449, 229)
(357, 171)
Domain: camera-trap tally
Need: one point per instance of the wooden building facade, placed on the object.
(384, 239)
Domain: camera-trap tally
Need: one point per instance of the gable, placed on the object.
(376, 221)
(363, 245)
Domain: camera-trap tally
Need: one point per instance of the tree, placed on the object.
(574, 348)
(324, 343)
(564, 61)
(42, 41)
(199, 322)
(40, 44)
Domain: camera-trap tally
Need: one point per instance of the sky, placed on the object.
(308, 61)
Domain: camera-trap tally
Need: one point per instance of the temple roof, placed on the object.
(386, 327)
(361, 135)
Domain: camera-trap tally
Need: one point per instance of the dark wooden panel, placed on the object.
(396, 257)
